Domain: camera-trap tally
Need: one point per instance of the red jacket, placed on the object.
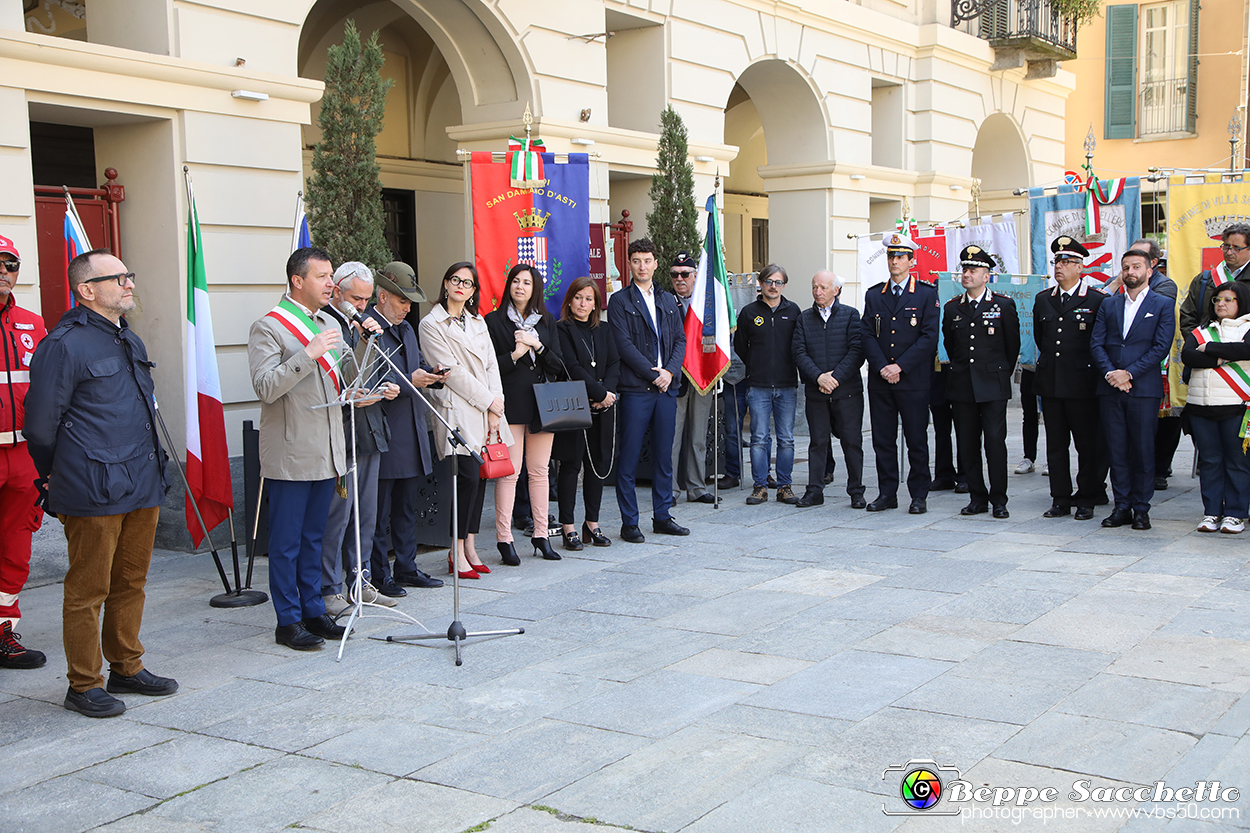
(20, 333)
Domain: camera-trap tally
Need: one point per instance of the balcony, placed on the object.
(1021, 31)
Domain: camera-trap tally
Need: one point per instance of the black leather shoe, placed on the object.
(324, 627)
(961, 488)
(297, 637)
(668, 526)
(632, 534)
(571, 541)
(975, 508)
(145, 682)
(943, 485)
(858, 502)
(1001, 512)
(528, 529)
(1161, 483)
(1141, 520)
(727, 482)
(392, 590)
(882, 503)
(94, 702)
(595, 536)
(1084, 513)
(917, 507)
(542, 547)
(706, 497)
(1118, 517)
(418, 579)
(812, 497)
(1058, 511)
(827, 479)
(507, 553)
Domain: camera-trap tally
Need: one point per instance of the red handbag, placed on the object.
(496, 461)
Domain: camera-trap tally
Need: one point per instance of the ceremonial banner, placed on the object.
(708, 320)
(930, 257)
(996, 236)
(208, 463)
(1064, 212)
(547, 228)
(1020, 288)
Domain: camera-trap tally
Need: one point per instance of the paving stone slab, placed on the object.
(1236, 721)
(1222, 664)
(1005, 701)
(658, 704)
(1002, 604)
(886, 605)
(80, 743)
(850, 685)
(532, 762)
(67, 805)
(704, 583)
(582, 627)
(1222, 624)
(1075, 625)
(785, 804)
(911, 641)
(738, 613)
(933, 539)
(632, 654)
(1070, 561)
(1140, 581)
(817, 581)
(672, 782)
(1093, 746)
(509, 702)
(1029, 663)
(197, 710)
(402, 806)
(1006, 552)
(763, 669)
(181, 763)
(394, 746)
(540, 819)
(1028, 578)
(774, 724)
(1181, 708)
(1201, 565)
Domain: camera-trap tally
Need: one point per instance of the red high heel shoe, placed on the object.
(471, 573)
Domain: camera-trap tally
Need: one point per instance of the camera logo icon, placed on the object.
(921, 785)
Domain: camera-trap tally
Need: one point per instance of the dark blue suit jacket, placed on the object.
(1140, 353)
(636, 340)
(408, 454)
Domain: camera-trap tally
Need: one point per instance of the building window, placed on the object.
(400, 211)
(1152, 69)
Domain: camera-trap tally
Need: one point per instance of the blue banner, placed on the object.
(565, 240)
(1022, 289)
(1063, 212)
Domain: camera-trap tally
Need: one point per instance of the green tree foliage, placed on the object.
(673, 222)
(345, 194)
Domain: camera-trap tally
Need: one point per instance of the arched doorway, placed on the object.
(1000, 160)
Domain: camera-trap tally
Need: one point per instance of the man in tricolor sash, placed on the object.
(293, 353)
(1236, 250)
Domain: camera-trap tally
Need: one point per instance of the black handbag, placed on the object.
(561, 406)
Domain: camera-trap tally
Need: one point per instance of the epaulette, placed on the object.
(954, 300)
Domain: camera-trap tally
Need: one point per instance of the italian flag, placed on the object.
(208, 462)
(708, 321)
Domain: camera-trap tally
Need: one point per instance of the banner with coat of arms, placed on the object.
(545, 227)
(1066, 211)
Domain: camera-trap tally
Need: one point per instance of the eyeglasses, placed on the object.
(772, 282)
(1225, 300)
(455, 280)
(121, 278)
(10, 265)
(1229, 247)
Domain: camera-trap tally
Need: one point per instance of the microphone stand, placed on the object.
(456, 632)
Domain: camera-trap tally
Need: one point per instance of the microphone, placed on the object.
(352, 314)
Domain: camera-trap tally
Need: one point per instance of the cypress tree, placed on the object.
(345, 193)
(673, 221)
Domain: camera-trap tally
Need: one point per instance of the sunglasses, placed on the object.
(458, 281)
(680, 273)
(121, 278)
(10, 265)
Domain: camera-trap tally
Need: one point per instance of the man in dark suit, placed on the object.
(651, 341)
(1132, 334)
(900, 332)
(1067, 382)
(981, 331)
(408, 458)
(1168, 432)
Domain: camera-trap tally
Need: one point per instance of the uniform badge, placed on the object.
(18, 325)
(913, 320)
(1082, 325)
(27, 341)
(990, 331)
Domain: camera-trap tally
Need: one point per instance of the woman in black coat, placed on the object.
(590, 353)
(529, 353)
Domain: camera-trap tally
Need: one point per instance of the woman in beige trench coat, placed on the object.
(454, 337)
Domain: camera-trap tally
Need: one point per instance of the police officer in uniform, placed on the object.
(1067, 381)
(899, 336)
(982, 335)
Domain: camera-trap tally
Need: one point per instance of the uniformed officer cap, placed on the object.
(976, 256)
(900, 244)
(684, 261)
(1068, 248)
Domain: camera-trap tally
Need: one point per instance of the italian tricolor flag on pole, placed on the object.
(708, 321)
(208, 462)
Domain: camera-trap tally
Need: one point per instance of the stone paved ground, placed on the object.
(760, 675)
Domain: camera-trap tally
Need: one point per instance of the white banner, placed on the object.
(997, 235)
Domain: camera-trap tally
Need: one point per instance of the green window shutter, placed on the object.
(1191, 88)
(1120, 106)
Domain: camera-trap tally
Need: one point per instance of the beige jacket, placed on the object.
(296, 441)
(473, 382)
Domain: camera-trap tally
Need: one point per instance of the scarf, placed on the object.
(528, 324)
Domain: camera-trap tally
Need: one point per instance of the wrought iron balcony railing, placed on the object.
(1033, 28)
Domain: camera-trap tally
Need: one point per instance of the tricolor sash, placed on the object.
(298, 324)
(1231, 372)
(1221, 275)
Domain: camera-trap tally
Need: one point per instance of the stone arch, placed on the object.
(791, 111)
(1000, 157)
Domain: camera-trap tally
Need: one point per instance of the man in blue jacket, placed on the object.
(651, 340)
(1132, 333)
(91, 431)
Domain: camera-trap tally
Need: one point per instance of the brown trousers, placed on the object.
(108, 567)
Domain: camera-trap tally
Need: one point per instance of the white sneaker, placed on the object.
(370, 595)
(1232, 526)
(1026, 466)
(336, 604)
(1045, 470)
(1210, 523)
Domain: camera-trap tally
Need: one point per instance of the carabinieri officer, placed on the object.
(899, 335)
(982, 335)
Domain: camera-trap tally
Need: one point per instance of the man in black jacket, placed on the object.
(982, 335)
(92, 434)
(764, 339)
(828, 355)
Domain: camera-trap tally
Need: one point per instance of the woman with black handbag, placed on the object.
(528, 352)
(590, 354)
